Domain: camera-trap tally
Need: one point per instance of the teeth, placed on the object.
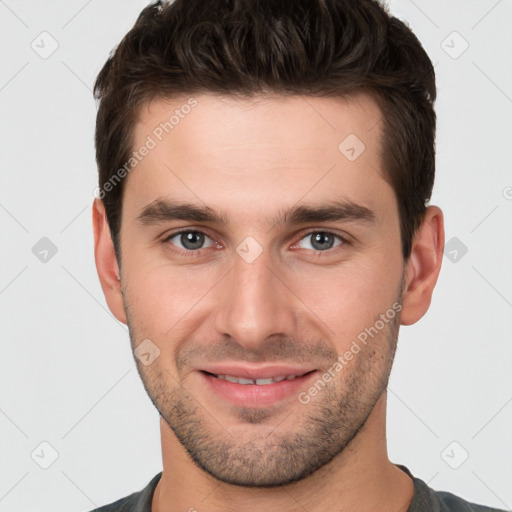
(259, 382)
(242, 380)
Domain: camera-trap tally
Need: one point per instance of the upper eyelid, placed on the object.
(187, 230)
(330, 231)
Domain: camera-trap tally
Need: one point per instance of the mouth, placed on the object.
(256, 387)
(257, 382)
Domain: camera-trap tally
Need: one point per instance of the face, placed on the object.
(260, 243)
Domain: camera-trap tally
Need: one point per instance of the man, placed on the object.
(262, 226)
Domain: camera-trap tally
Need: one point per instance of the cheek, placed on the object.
(351, 297)
(165, 299)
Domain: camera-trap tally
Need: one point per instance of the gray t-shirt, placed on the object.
(424, 499)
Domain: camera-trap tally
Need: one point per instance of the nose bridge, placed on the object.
(252, 303)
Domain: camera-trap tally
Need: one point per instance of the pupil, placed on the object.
(322, 241)
(192, 240)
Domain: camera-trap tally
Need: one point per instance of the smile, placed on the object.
(257, 382)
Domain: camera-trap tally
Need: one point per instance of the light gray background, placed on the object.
(66, 369)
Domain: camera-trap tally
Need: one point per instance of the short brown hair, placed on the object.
(246, 47)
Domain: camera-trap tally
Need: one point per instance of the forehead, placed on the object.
(300, 123)
(253, 152)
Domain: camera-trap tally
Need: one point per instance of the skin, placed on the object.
(250, 159)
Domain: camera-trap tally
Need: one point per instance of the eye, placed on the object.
(190, 240)
(320, 241)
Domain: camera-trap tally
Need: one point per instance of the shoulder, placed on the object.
(139, 501)
(126, 504)
(450, 502)
(426, 499)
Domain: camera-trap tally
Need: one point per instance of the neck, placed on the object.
(360, 478)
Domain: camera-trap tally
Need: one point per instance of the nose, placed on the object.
(254, 303)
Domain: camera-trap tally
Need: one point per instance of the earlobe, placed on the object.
(106, 262)
(423, 266)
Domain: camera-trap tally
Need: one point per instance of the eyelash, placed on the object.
(199, 252)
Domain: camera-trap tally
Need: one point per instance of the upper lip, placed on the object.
(257, 371)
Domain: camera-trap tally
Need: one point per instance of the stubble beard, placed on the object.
(259, 458)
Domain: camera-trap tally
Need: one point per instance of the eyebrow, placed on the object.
(164, 210)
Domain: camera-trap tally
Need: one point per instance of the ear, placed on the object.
(423, 266)
(106, 261)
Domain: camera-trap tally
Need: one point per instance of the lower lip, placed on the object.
(254, 395)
